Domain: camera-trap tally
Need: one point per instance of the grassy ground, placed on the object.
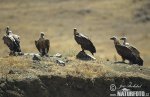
(99, 19)
(21, 77)
(24, 67)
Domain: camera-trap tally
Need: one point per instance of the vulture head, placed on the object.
(113, 38)
(116, 41)
(7, 29)
(124, 40)
(42, 34)
(75, 31)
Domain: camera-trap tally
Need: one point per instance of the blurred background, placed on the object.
(98, 19)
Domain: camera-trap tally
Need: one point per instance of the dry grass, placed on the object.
(17, 64)
(99, 19)
(24, 67)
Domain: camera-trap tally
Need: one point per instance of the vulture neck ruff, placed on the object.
(42, 36)
(10, 34)
(125, 42)
(116, 42)
(76, 33)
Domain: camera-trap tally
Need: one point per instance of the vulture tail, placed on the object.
(92, 49)
(140, 61)
(16, 47)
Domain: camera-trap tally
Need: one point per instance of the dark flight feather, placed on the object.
(85, 42)
(128, 54)
(42, 45)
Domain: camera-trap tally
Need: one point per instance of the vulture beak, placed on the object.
(112, 38)
(123, 38)
(75, 29)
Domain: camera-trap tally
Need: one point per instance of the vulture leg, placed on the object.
(41, 52)
(130, 63)
(82, 49)
(12, 53)
(45, 50)
(123, 59)
(92, 53)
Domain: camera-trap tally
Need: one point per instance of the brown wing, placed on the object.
(8, 42)
(47, 44)
(81, 39)
(134, 50)
(124, 51)
(128, 54)
(85, 42)
(16, 37)
(37, 45)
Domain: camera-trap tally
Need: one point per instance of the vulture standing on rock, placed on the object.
(12, 41)
(42, 45)
(84, 41)
(126, 53)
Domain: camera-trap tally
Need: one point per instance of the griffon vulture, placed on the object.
(42, 45)
(12, 41)
(15, 37)
(126, 53)
(84, 41)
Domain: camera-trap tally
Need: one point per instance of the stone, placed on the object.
(58, 55)
(60, 62)
(36, 58)
(31, 54)
(83, 56)
(20, 53)
(11, 72)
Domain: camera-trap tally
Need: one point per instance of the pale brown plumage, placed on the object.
(12, 41)
(42, 45)
(126, 53)
(8, 42)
